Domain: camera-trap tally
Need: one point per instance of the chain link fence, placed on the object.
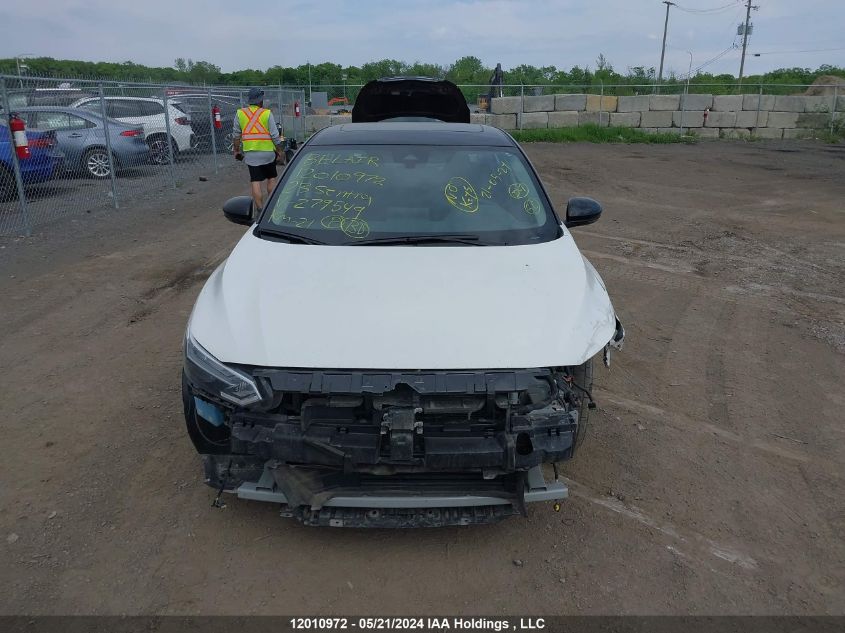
(100, 144)
(95, 145)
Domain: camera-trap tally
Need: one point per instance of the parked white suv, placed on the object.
(148, 112)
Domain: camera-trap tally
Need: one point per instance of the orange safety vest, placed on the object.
(254, 129)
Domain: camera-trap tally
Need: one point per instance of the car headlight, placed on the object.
(210, 375)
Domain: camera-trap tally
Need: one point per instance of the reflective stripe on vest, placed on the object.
(254, 133)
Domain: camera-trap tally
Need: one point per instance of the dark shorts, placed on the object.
(262, 172)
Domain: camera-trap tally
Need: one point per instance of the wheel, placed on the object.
(207, 438)
(159, 153)
(96, 163)
(8, 186)
(583, 376)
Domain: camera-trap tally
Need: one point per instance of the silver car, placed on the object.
(81, 136)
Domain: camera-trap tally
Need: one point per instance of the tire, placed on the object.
(8, 186)
(583, 376)
(159, 154)
(96, 163)
(207, 438)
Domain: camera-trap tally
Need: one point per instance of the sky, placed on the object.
(563, 33)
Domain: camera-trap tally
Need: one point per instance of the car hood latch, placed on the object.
(399, 424)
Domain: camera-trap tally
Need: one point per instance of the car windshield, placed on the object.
(372, 193)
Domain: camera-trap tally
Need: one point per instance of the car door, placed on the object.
(72, 133)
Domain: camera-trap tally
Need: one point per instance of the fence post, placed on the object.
(833, 109)
(16, 166)
(108, 147)
(521, 103)
(281, 111)
(759, 104)
(601, 105)
(684, 100)
(169, 138)
(213, 129)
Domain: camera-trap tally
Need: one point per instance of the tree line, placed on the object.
(466, 70)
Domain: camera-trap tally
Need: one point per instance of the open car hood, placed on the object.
(410, 97)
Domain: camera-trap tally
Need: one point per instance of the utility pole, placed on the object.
(663, 50)
(745, 38)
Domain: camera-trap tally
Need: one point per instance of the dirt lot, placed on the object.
(713, 479)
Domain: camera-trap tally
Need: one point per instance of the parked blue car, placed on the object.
(44, 162)
(82, 138)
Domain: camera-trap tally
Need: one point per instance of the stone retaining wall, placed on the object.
(708, 116)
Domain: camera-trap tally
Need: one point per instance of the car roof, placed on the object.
(412, 133)
(108, 97)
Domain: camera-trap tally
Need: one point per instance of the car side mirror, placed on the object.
(581, 211)
(239, 210)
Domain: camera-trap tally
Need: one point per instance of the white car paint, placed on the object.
(153, 124)
(276, 304)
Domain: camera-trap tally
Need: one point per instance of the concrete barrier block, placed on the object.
(568, 103)
(688, 118)
(543, 103)
(840, 103)
(669, 130)
(799, 132)
(818, 104)
(768, 132)
(649, 130)
(788, 104)
(664, 102)
(594, 118)
(734, 133)
(695, 102)
(749, 118)
(503, 121)
(706, 133)
(727, 103)
(656, 119)
(597, 103)
(479, 117)
(535, 120)
(815, 120)
(563, 119)
(317, 122)
(625, 119)
(721, 119)
(783, 119)
(632, 104)
(505, 105)
(749, 102)
(340, 119)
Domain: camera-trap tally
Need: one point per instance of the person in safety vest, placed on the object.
(258, 144)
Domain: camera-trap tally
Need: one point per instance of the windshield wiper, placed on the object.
(444, 238)
(293, 238)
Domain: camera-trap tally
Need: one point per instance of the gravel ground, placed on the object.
(712, 480)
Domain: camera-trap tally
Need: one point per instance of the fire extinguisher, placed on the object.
(218, 124)
(296, 111)
(18, 129)
(706, 112)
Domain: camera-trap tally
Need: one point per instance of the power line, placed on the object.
(713, 10)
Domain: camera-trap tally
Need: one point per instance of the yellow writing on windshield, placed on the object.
(518, 191)
(339, 159)
(493, 180)
(461, 194)
(531, 205)
(353, 227)
(344, 176)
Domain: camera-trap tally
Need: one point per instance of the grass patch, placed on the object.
(594, 134)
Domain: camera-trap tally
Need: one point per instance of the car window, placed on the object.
(53, 120)
(91, 106)
(122, 108)
(149, 108)
(78, 123)
(342, 194)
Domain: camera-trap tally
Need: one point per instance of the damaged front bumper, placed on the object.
(327, 498)
(403, 449)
